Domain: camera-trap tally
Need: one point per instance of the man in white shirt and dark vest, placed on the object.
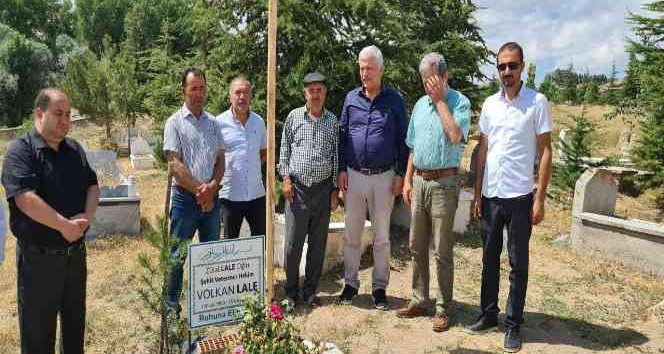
(515, 127)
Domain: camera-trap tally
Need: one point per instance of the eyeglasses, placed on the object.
(512, 65)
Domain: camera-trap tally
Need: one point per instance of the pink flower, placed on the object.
(275, 312)
(239, 350)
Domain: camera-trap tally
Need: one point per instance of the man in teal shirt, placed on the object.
(439, 124)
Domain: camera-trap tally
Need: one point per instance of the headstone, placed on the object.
(562, 136)
(595, 192)
(141, 154)
(140, 147)
(625, 142)
(104, 163)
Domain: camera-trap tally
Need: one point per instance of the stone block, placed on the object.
(462, 217)
(121, 216)
(334, 252)
(595, 192)
(142, 162)
(140, 147)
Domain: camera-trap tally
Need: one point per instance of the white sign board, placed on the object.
(221, 273)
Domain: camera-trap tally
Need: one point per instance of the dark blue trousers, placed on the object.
(515, 214)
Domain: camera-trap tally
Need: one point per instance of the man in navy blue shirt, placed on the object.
(372, 161)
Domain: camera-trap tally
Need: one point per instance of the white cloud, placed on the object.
(590, 34)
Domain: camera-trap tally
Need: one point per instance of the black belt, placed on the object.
(68, 251)
(371, 171)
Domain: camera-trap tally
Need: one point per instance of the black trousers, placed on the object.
(307, 217)
(515, 214)
(232, 214)
(48, 285)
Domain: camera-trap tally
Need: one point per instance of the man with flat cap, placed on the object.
(308, 165)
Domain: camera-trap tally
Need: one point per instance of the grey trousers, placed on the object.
(372, 192)
(307, 217)
(434, 204)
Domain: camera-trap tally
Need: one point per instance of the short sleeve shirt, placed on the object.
(512, 128)
(432, 150)
(61, 178)
(196, 140)
(242, 177)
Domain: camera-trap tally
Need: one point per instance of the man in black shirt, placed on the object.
(52, 194)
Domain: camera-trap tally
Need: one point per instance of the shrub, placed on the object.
(265, 329)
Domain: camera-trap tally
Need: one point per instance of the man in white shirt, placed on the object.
(515, 127)
(242, 193)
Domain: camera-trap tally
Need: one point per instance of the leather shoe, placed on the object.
(412, 311)
(441, 322)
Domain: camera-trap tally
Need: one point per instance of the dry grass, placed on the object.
(607, 131)
(576, 303)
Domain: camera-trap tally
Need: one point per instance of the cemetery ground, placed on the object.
(576, 303)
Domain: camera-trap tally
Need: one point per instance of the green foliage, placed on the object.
(591, 93)
(530, 81)
(145, 19)
(66, 48)
(631, 86)
(98, 19)
(39, 20)
(105, 88)
(569, 87)
(612, 95)
(24, 68)
(577, 146)
(649, 51)
(154, 287)
(266, 330)
(127, 92)
(87, 83)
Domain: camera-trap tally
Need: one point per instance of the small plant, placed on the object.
(265, 329)
(574, 153)
(172, 331)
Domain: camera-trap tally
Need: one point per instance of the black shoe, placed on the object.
(380, 300)
(512, 340)
(313, 301)
(483, 325)
(347, 295)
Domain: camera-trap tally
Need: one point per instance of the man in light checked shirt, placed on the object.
(308, 166)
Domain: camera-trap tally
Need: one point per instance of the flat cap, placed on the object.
(314, 77)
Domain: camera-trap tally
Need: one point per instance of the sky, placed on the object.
(590, 34)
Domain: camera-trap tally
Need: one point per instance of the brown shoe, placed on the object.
(441, 322)
(412, 311)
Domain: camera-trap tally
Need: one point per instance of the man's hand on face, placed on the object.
(436, 88)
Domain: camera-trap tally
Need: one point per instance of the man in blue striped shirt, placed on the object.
(194, 147)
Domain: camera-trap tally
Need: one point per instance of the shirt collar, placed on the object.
(361, 93)
(39, 143)
(518, 94)
(237, 121)
(186, 112)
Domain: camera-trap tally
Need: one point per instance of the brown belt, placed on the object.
(435, 174)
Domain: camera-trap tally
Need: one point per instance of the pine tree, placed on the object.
(631, 85)
(591, 92)
(649, 149)
(611, 96)
(530, 82)
(573, 150)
